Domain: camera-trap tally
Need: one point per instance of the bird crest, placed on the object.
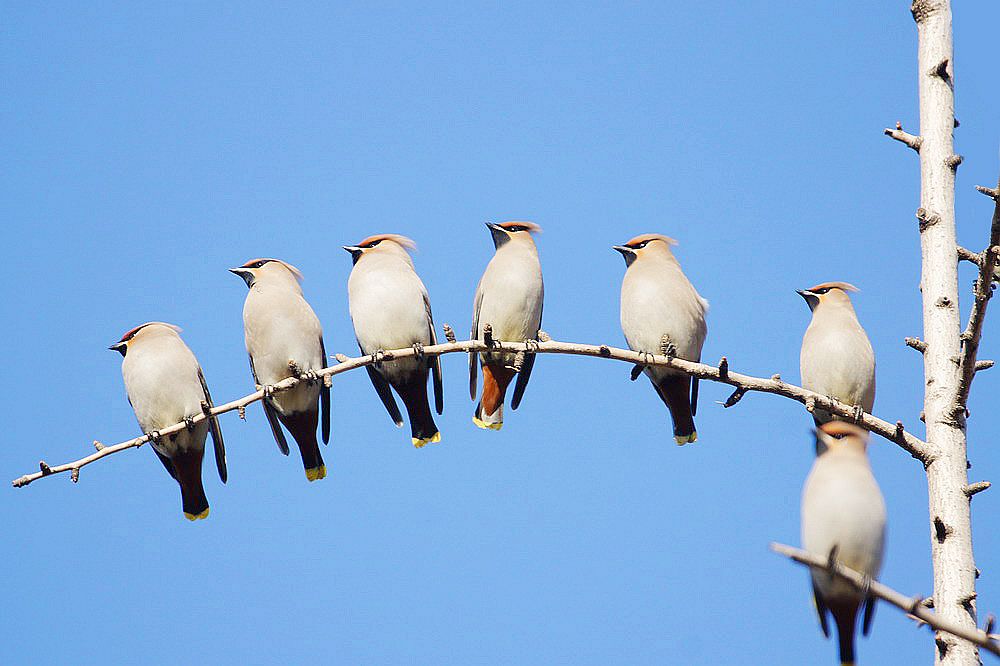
(843, 286)
(257, 263)
(372, 241)
(645, 238)
(129, 334)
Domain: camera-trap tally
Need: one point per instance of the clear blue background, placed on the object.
(150, 148)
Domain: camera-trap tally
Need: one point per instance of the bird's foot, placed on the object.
(866, 586)
(418, 350)
(189, 423)
(667, 346)
(154, 436)
(377, 357)
(268, 390)
(859, 412)
(294, 368)
(311, 376)
(531, 345)
(831, 561)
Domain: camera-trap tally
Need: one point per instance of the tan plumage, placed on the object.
(390, 309)
(658, 302)
(280, 328)
(843, 512)
(165, 386)
(836, 358)
(508, 298)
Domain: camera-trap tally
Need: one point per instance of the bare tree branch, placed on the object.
(983, 291)
(904, 137)
(911, 605)
(894, 432)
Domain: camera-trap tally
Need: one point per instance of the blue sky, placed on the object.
(150, 148)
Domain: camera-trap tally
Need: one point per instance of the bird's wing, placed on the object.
(474, 335)
(869, 614)
(383, 391)
(213, 424)
(166, 462)
(272, 416)
(324, 396)
(435, 363)
(821, 610)
(525, 373)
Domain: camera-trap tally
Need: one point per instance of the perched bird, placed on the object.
(509, 299)
(661, 307)
(165, 386)
(843, 517)
(836, 359)
(391, 310)
(284, 339)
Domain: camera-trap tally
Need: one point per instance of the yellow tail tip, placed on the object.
(316, 473)
(686, 439)
(200, 516)
(433, 439)
(486, 426)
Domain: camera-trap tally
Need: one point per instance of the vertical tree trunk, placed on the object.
(951, 529)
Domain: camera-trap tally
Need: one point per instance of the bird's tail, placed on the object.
(675, 391)
(187, 465)
(413, 393)
(302, 426)
(845, 634)
(489, 411)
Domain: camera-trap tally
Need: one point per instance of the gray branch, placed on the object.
(743, 383)
(911, 605)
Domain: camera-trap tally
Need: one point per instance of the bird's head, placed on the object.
(381, 243)
(504, 232)
(839, 436)
(143, 331)
(645, 245)
(827, 293)
(257, 269)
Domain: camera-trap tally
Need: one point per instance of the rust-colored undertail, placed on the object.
(187, 471)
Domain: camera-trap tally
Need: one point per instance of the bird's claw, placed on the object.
(189, 423)
(311, 376)
(154, 436)
(531, 345)
(418, 350)
(859, 412)
(268, 390)
(377, 357)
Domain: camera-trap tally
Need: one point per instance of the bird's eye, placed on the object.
(822, 291)
(516, 227)
(642, 245)
(372, 244)
(257, 264)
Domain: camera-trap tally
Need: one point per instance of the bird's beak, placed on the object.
(627, 252)
(245, 274)
(812, 300)
(499, 234)
(355, 252)
(119, 347)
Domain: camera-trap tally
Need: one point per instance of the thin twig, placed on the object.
(983, 290)
(904, 137)
(911, 605)
(743, 383)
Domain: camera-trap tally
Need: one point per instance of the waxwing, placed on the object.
(390, 309)
(836, 359)
(843, 518)
(508, 298)
(165, 386)
(284, 339)
(659, 305)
